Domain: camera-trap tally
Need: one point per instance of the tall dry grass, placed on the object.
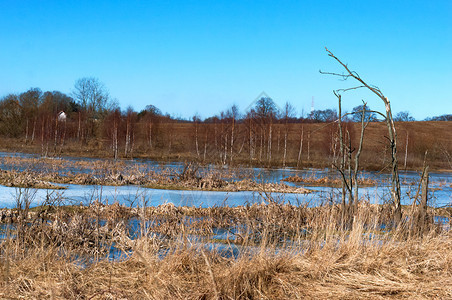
(273, 251)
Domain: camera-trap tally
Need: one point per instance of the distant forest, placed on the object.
(264, 134)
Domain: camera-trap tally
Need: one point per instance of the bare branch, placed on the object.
(352, 88)
(355, 75)
(344, 76)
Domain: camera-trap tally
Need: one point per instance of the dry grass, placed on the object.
(327, 181)
(282, 252)
(25, 179)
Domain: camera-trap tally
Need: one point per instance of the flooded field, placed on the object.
(133, 194)
(152, 239)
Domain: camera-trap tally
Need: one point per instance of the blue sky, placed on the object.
(188, 57)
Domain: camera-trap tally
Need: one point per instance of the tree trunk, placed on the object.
(56, 137)
(342, 162)
(232, 139)
(150, 134)
(79, 127)
(261, 146)
(115, 141)
(269, 150)
(63, 138)
(33, 132)
(126, 146)
(364, 124)
(395, 182)
(196, 139)
(424, 201)
(251, 141)
(205, 147)
(285, 149)
(301, 147)
(406, 150)
(225, 149)
(26, 131)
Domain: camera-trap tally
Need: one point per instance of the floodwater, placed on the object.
(440, 188)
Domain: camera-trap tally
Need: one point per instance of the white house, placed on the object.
(61, 116)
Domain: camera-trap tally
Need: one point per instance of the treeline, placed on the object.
(265, 134)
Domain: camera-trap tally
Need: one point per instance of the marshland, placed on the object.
(134, 229)
(102, 203)
(303, 220)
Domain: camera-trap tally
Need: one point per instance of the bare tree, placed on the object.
(266, 111)
(30, 101)
(289, 112)
(152, 115)
(93, 98)
(91, 94)
(403, 116)
(130, 126)
(301, 146)
(349, 183)
(10, 116)
(395, 182)
(196, 121)
(341, 166)
(233, 115)
(112, 127)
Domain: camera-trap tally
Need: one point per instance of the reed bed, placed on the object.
(265, 251)
(25, 179)
(24, 172)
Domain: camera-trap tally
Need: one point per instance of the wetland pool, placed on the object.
(130, 195)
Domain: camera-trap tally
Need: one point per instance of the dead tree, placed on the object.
(423, 218)
(364, 123)
(341, 166)
(395, 182)
(196, 121)
(349, 182)
(419, 209)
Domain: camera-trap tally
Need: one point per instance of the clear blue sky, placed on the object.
(188, 57)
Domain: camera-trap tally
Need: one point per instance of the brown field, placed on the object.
(177, 142)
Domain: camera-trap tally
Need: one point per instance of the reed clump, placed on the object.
(258, 251)
(26, 179)
(327, 181)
